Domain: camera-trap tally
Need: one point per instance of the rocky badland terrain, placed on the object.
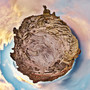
(45, 47)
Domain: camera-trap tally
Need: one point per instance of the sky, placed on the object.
(75, 13)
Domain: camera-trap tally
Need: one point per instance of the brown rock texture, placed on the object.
(45, 48)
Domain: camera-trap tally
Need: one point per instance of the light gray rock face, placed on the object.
(45, 48)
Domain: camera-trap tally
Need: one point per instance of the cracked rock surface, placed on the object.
(45, 47)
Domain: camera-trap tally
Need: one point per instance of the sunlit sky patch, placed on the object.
(75, 13)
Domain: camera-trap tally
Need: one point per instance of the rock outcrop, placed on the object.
(45, 47)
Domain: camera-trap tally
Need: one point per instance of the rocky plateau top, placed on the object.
(45, 47)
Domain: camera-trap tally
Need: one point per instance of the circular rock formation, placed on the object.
(45, 48)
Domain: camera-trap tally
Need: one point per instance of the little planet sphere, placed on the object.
(45, 48)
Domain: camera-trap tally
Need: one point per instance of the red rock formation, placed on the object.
(45, 48)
